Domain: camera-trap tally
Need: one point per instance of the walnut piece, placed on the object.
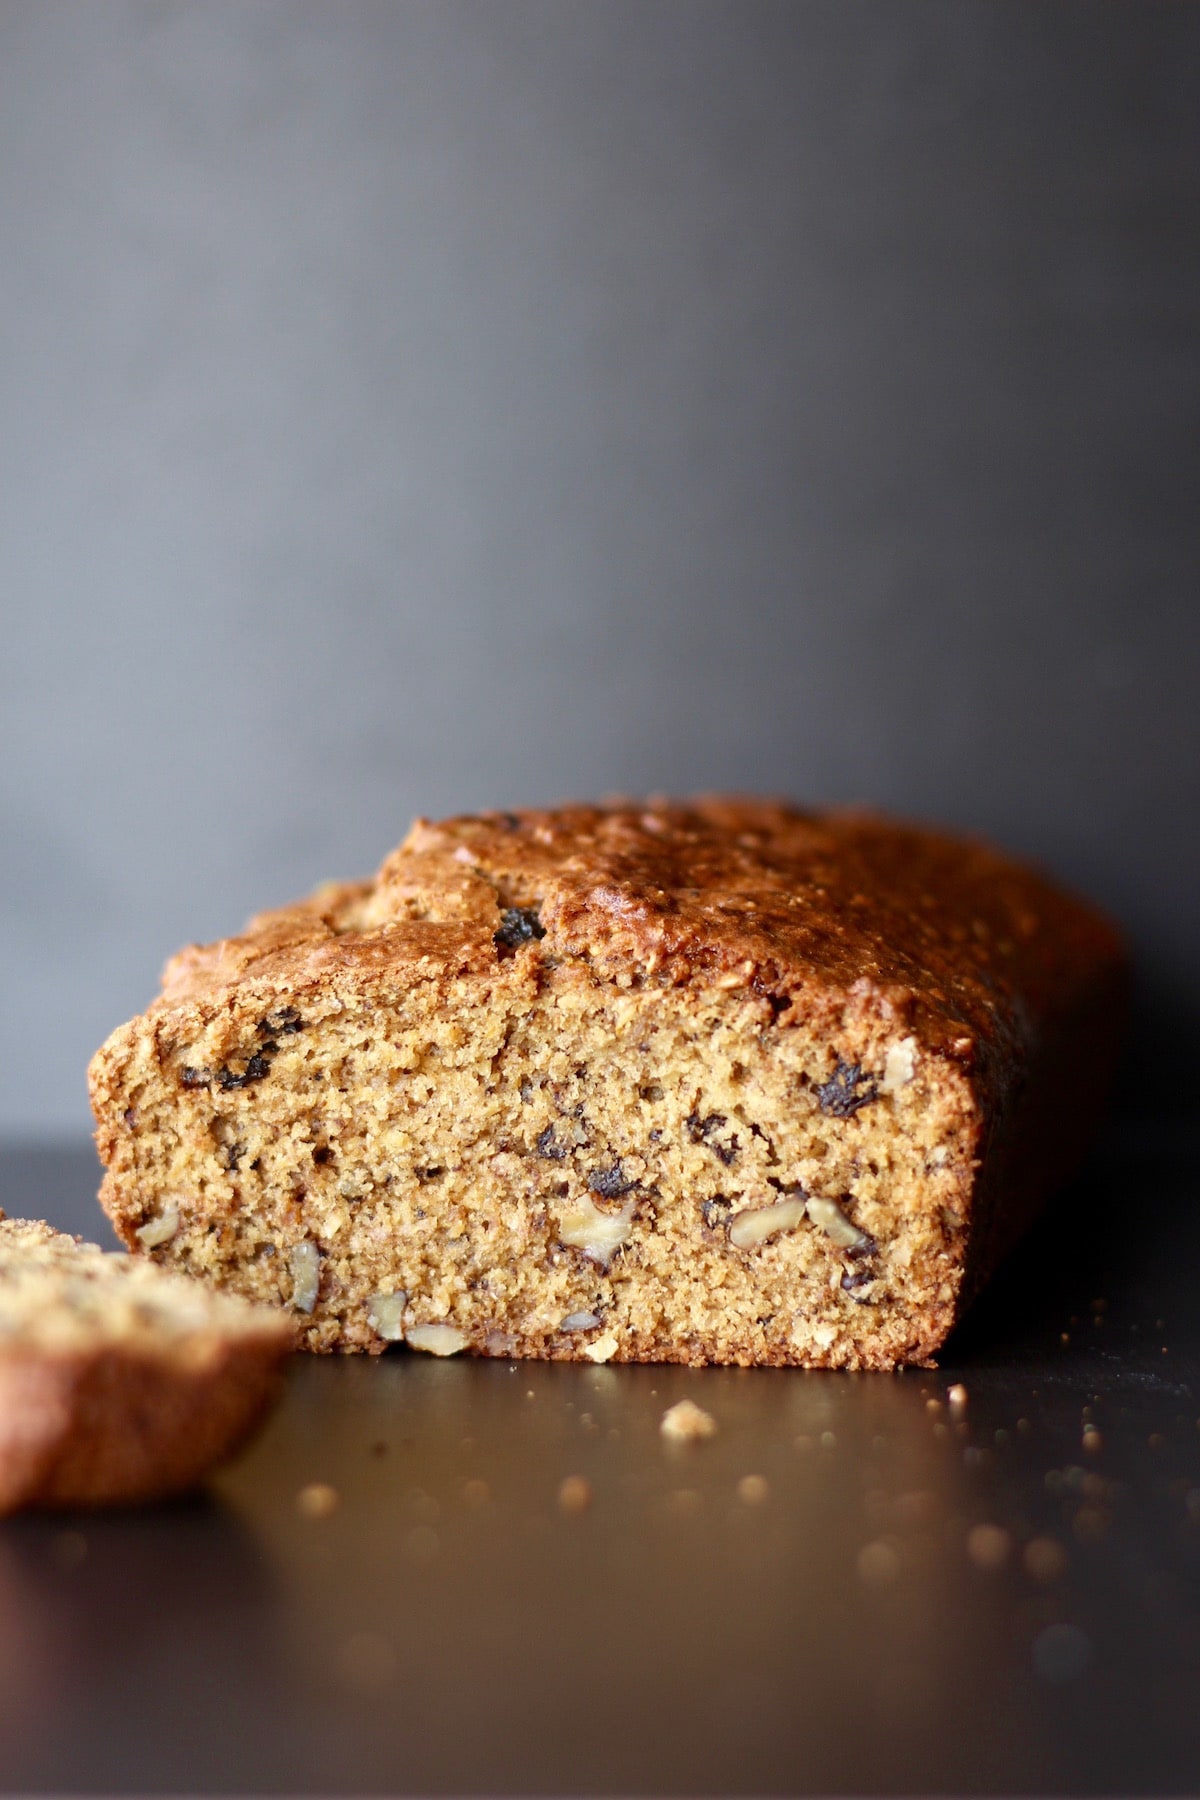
(598, 1234)
(761, 1223)
(385, 1314)
(305, 1264)
(160, 1230)
(899, 1066)
(834, 1223)
(436, 1339)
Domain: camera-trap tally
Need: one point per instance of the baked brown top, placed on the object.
(965, 948)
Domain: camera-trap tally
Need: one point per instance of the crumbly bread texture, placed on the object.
(120, 1381)
(718, 1082)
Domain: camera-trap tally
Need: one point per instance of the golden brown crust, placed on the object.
(971, 949)
(844, 927)
(107, 1394)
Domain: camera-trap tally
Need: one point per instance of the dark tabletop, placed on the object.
(911, 1596)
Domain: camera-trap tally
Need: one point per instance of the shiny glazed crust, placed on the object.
(909, 1026)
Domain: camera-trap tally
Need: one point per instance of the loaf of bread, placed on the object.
(719, 1082)
(120, 1381)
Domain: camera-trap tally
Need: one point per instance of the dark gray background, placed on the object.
(412, 407)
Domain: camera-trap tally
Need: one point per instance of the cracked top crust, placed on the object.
(814, 912)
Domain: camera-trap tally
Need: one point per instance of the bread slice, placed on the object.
(720, 1082)
(119, 1381)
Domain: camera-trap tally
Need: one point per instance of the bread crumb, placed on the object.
(878, 1564)
(988, 1546)
(686, 1422)
(683, 1503)
(1044, 1559)
(957, 1396)
(602, 1350)
(574, 1496)
(318, 1500)
(752, 1490)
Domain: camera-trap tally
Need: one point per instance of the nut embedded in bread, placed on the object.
(719, 1082)
(120, 1382)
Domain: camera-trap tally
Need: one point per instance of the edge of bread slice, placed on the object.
(119, 1381)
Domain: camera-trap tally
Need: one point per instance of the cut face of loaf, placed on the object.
(718, 1083)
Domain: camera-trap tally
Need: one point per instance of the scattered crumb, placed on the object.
(1092, 1439)
(687, 1423)
(574, 1495)
(318, 1500)
(752, 1490)
(1044, 1559)
(1090, 1524)
(828, 1441)
(476, 1493)
(804, 1442)
(933, 1406)
(957, 1396)
(602, 1349)
(878, 1564)
(988, 1546)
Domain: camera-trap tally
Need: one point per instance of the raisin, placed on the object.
(610, 1183)
(233, 1154)
(518, 925)
(847, 1089)
(856, 1278)
(716, 1211)
(255, 1070)
(549, 1146)
(703, 1131)
(194, 1078)
(284, 1021)
(322, 1154)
